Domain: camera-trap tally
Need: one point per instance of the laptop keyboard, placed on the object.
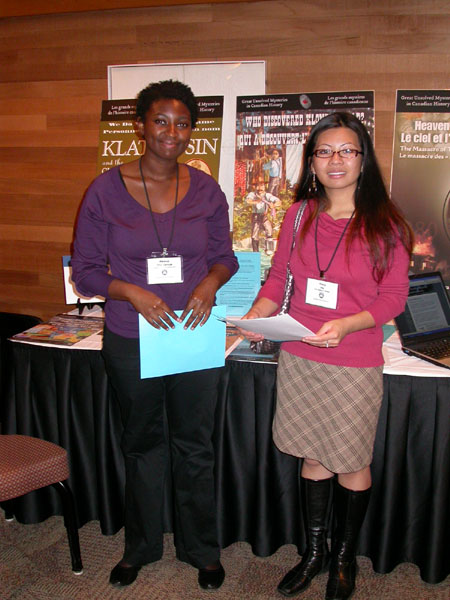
(437, 349)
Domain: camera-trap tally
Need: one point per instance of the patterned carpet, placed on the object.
(35, 565)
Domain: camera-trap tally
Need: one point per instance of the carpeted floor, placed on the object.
(35, 565)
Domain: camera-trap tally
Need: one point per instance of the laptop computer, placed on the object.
(424, 326)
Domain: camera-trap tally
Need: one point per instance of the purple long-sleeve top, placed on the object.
(358, 291)
(115, 236)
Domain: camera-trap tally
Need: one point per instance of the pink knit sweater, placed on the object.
(358, 290)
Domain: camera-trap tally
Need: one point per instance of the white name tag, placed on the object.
(164, 269)
(321, 293)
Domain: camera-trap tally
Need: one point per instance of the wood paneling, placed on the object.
(53, 79)
(12, 8)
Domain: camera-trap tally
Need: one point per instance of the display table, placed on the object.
(63, 396)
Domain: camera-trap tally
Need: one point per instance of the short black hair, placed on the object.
(168, 89)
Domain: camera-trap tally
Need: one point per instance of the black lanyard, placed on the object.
(323, 271)
(164, 249)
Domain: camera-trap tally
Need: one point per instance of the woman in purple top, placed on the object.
(153, 237)
(350, 268)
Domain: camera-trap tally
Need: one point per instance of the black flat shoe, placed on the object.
(211, 579)
(122, 576)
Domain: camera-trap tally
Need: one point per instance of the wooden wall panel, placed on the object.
(53, 79)
(11, 8)
(39, 209)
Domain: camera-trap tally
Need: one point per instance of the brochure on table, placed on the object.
(65, 331)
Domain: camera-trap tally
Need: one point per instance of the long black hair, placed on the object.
(377, 221)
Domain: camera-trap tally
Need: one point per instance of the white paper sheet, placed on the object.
(281, 328)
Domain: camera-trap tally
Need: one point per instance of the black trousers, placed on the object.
(189, 401)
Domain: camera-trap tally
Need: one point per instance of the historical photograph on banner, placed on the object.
(119, 142)
(420, 180)
(270, 134)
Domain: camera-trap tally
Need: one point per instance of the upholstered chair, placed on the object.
(28, 464)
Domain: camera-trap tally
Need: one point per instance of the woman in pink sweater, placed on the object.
(350, 267)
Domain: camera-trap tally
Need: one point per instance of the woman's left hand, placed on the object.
(329, 335)
(199, 304)
(333, 332)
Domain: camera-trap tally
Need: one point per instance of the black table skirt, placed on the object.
(63, 396)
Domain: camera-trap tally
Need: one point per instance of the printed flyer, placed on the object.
(420, 179)
(62, 331)
(271, 131)
(119, 142)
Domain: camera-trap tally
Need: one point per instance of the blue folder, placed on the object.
(180, 350)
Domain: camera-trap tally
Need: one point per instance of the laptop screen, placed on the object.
(427, 309)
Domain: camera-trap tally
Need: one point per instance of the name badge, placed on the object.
(321, 293)
(165, 269)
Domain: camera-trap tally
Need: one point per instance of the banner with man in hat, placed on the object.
(270, 133)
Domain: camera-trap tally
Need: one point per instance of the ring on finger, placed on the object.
(327, 343)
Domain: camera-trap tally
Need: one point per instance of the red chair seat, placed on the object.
(28, 464)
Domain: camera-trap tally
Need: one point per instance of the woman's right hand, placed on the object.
(149, 305)
(250, 335)
(263, 307)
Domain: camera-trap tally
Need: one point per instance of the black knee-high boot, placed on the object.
(350, 509)
(315, 499)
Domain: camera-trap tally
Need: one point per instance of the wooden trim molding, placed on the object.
(13, 8)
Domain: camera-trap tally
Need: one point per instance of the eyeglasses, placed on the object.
(328, 153)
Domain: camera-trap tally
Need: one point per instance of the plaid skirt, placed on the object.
(326, 412)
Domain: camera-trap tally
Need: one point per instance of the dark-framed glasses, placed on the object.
(344, 153)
